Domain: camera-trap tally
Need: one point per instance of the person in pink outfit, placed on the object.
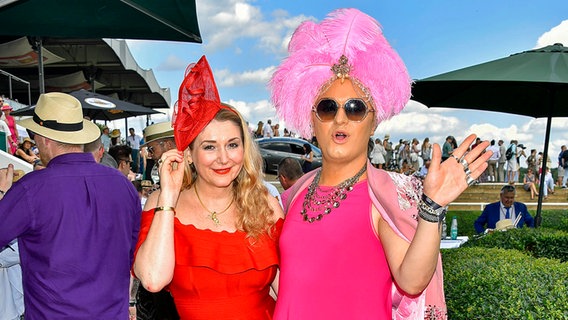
(359, 242)
(11, 122)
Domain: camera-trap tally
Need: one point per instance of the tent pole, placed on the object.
(39, 46)
(538, 216)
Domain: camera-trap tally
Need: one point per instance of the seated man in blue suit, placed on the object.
(507, 208)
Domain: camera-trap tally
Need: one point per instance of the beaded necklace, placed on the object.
(319, 200)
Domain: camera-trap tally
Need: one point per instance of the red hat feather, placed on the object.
(198, 103)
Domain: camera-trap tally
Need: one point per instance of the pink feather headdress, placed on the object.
(315, 48)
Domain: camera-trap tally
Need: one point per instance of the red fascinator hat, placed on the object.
(198, 103)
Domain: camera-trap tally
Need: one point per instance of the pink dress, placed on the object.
(12, 125)
(318, 283)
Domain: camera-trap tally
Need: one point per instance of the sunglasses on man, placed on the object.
(355, 109)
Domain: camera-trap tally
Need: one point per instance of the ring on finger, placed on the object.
(457, 159)
(470, 181)
(160, 162)
(464, 163)
(467, 171)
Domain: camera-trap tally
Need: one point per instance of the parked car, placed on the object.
(273, 150)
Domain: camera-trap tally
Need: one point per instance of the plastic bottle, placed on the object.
(454, 228)
(444, 229)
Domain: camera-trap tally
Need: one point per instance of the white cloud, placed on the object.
(227, 21)
(256, 111)
(416, 106)
(558, 34)
(227, 79)
(172, 63)
(420, 124)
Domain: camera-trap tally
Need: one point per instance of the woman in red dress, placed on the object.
(210, 234)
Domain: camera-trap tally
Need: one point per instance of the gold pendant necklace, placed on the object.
(213, 214)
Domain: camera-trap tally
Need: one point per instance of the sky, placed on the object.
(245, 41)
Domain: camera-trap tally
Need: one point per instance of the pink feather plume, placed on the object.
(315, 48)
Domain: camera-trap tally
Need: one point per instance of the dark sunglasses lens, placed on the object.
(326, 109)
(150, 150)
(31, 134)
(355, 109)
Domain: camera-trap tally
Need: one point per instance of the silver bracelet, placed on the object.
(428, 213)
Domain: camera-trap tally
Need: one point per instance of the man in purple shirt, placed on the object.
(76, 221)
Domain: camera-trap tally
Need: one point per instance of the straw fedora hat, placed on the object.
(158, 131)
(26, 139)
(115, 133)
(504, 225)
(146, 184)
(59, 117)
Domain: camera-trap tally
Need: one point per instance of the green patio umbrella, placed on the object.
(173, 20)
(170, 20)
(530, 83)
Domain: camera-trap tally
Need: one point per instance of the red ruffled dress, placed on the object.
(221, 275)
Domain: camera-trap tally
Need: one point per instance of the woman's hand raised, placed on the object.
(171, 167)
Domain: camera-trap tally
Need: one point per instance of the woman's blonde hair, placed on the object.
(254, 213)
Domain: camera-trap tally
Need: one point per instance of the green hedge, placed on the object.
(555, 219)
(540, 243)
(492, 283)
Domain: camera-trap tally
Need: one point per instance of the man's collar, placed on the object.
(503, 206)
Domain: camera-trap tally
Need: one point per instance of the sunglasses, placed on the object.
(355, 109)
(151, 149)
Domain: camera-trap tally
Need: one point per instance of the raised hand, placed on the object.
(6, 178)
(447, 180)
(171, 168)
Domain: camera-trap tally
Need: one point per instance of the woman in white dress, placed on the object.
(414, 152)
(378, 154)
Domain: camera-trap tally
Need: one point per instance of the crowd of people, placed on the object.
(413, 157)
(202, 237)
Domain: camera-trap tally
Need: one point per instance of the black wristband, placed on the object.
(430, 210)
(430, 202)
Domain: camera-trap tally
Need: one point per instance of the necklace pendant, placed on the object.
(213, 217)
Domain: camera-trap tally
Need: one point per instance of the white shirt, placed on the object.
(4, 128)
(12, 297)
(273, 191)
(503, 214)
(105, 139)
(133, 141)
(267, 130)
(496, 153)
